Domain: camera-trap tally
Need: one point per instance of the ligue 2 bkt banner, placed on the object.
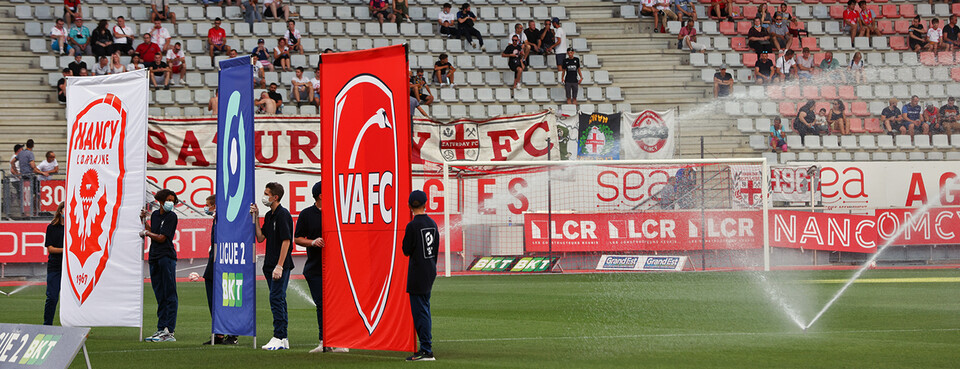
(234, 263)
(102, 283)
(649, 135)
(366, 180)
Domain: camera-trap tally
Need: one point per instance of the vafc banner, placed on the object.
(649, 135)
(106, 175)
(366, 179)
(234, 260)
(599, 136)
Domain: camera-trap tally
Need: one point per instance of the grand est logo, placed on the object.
(650, 132)
(95, 150)
(365, 163)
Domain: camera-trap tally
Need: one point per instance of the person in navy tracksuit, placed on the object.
(421, 242)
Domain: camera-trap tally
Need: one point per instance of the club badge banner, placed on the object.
(366, 181)
(649, 135)
(599, 136)
(102, 283)
(520, 137)
(746, 186)
(234, 260)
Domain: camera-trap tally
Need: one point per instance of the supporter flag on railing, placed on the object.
(234, 262)
(102, 281)
(649, 135)
(599, 136)
(365, 166)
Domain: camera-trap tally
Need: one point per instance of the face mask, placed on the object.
(168, 206)
(206, 209)
(266, 200)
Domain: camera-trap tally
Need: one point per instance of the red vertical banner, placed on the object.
(365, 165)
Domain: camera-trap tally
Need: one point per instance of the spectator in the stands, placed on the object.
(49, 165)
(299, 87)
(830, 68)
(855, 69)
(80, 38)
(115, 65)
(572, 76)
(401, 10)
(547, 38)
(160, 11)
(281, 55)
(533, 38)
(77, 64)
(176, 59)
(217, 39)
(102, 39)
(778, 139)
(102, 67)
(948, 115)
(123, 37)
(443, 71)
(851, 19)
(28, 166)
(721, 9)
(560, 44)
(250, 12)
(84, 72)
(758, 38)
(72, 10)
(59, 36)
(15, 163)
(518, 32)
(273, 8)
(685, 10)
(263, 55)
(135, 63)
(258, 75)
(892, 118)
(419, 88)
(821, 125)
(766, 18)
(780, 33)
(649, 8)
(917, 38)
(838, 120)
(722, 82)
(912, 117)
(232, 53)
(803, 124)
(514, 61)
(381, 11)
(448, 22)
(931, 118)
(763, 70)
(868, 21)
(934, 33)
(148, 51)
(62, 85)
(315, 88)
(265, 104)
(292, 35)
(160, 36)
(806, 66)
(466, 21)
(664, 13)
(787, 66)
(688, 37)
(276, 96)
(160, 71)
(951, 34)
(784, 13)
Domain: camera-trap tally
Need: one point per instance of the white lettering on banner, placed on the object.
(352, 200)
(194, 186)
(936, 226)
(231, 253)
(871, 185)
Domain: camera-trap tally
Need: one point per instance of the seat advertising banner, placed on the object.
(106, 175)
(234, 259)
(366, 181)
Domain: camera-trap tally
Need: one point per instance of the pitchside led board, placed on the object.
(234, 268)
(365, 166)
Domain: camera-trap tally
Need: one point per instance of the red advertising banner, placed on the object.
(936, 226)
(823, 231)
(366, 179)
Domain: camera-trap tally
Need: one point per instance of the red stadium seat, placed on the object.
(728, 28)
(955, 74)
(955, 8)
(847, 93)
(817, 58)
(788, 109)
(945, 58)
(859, 108)
(821, 105)
(829, 1)
(908, 11)
(737, 12)
(879, 1)
(872, 125)
(898, 43)
(749, 60)
(828, 92)
(739, 44)
(744, 27)
(741, 1)
(811, 92)
(856, 125)
(775, 92)
(836, 11)
(750, 11)
(928, 58)
(792, 92)
(890, 11)
(810, 42)
(876, 10)
(901, 26)
(886, 27)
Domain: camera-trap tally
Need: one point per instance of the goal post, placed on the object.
(588, 208)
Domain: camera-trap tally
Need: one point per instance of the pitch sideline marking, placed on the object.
(890, 280)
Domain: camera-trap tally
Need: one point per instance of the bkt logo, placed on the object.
(232, 289)
(365, 160)
(234, 153)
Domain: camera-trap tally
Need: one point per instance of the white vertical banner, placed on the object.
(746, 183)
(649, 135)
(102, 282)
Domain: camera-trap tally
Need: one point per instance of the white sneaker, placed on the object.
(317, 350)
(286, 344)
(274, 344)
(154, 338)
(453, 84)
(182, 82)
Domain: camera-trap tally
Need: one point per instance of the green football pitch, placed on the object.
(892, 318)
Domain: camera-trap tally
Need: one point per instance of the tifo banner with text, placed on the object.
(649, 135)
(102, 282)
(366, 181)
(234, 260)
(520, 137)
(599, 136)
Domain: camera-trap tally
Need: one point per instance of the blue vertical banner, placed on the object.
(234, 268)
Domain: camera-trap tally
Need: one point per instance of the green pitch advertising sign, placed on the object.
(513, 264)
(39, 346)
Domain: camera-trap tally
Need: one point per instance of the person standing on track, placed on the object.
(163, 263)
(277, 231)
(421, 242)
(54, 243)
(211, 209)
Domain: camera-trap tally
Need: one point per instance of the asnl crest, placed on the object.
(460, 141)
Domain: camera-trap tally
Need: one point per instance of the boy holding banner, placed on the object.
(421, 242)
(277, 231)
(163, 263)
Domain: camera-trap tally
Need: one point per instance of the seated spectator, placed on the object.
(84, 72)
(443, 71)
(917, 36)
(419, 88)
(912, 117)
(685, 10)
(830, 68)
(948, 115)
(663, 13)
(572, 76)
(892, 117)
(292, 35)
(265, 105)
(851, 19)
(281, 55)
(787, 66)
(62, 85)
(778, 139)
(547, 38)
(102, 39)
(401, 10)
(784, 13)
(135, 63)
(273, 8)
(533, 36)
(688, 36)
(160, 36)
(931, 119)
(838, 120)
(161, 70)
(72, 10)
(49, 166)
(160, 11)
(514, 60)
(758, 38)
(764, 15)
(780, 34)
(855, 69)
(381, 10)
(259, 78)
(263, 55)
(102, 67)
(300, 87)
(518, 32)
(59, 35)
(951, 34)
(232, 54)
(722, 82)
(465, 21)
(934, 33)
(803, 124)
(148, 50)
(250, 12)
(448, 22)
(115, 65)
(209, 2)
(77, 64)
(217, 39)
(764, 71)
(176, 59)
(721, 9)
(80, 38)
(868, 21)
(123, 37)
(806, 66)
(315, 89)
(649, 8)
(276, 96)
(821, 124)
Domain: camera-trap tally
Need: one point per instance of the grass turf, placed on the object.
(717, 319)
